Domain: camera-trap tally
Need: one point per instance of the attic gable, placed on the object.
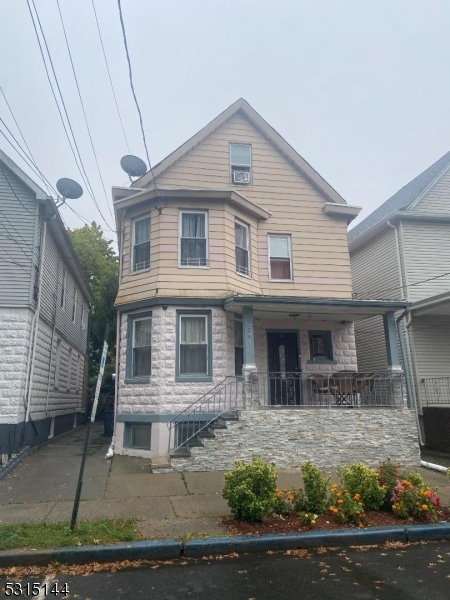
(239, 114)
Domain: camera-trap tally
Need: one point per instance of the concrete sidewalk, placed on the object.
(177, 505)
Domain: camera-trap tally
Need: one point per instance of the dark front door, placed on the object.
(284, 369)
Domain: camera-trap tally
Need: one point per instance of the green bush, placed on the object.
(346, 507)
(409, 500)
(250, 489)
(316, 488)
(416, 479)
(288, 501)
(388, 475)
(307, 519)
(363, 480)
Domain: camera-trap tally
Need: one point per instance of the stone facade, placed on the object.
(328, 437)
(15, 325)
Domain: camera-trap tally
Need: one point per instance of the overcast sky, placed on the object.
(361, 89)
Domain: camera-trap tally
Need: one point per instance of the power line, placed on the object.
(33, 166)
(375, 292)
(130, 74)
(12, 259)
(81, 169)
(110, 78)
(87, 222)
(48, 185)
(84, 111)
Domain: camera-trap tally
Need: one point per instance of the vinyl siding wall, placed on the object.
(437, 199)
(17, 232)
(321, 263)
(375, 275)
(426, 250)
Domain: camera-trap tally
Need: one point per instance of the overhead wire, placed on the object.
(73, 145)
(400, 287)
(84, 110)
(47, 184)
(110, 78)
(130, 75)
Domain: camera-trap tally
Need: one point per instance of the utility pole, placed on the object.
(88, 431)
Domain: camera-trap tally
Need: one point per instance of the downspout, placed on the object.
(110, 452)
(36, 319)
(407, 374)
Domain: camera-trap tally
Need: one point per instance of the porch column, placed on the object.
(249, 366)
(390, 336)
(394, 386)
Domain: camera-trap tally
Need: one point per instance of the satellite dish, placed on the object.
(68, 188)
(133, 165)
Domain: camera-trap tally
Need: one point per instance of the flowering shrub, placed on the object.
(347, 507)
(316, 488)
(288, 501)
(307, 519)
(388, 474)
(250, 489)
(409, 500)
(362, 480)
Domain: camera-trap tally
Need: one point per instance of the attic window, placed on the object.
(241, 164)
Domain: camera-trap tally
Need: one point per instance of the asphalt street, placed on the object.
(397, 572)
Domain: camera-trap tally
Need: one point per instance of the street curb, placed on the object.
(87, 554)
(162, 549)
(310, 539)
(12, 464)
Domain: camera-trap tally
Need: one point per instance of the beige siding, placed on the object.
(432, 349)
(426, 249)
(375, 275)
(319, 242)
(436, 199)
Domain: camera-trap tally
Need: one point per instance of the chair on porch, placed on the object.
(320, 389)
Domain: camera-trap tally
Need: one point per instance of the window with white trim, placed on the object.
(194, 358)
(142, 347)
(280, 258)
(74, 308)
(193, 239)
(141, 245)
(242, 242)
(241, 164)
(63, 288)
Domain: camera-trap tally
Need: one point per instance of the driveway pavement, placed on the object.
(42, 488)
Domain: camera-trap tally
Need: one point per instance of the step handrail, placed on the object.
(195, 407)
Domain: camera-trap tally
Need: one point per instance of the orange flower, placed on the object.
(357, 496)
(424, 507)
(340, 502)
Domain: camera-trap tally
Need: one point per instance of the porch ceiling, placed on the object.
(272, 307)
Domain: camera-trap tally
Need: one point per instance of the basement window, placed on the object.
(138, 436)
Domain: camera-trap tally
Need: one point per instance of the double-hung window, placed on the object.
(194, 345)
(193, 239)
(241, 164)
(139, 348)
(63, 289)
(74, 308)
(320, 347)
(242, 240)
(141, 244)
(280, 260)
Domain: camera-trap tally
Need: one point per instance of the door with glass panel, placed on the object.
(284, 370)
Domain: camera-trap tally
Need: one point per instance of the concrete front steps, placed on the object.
(181, 456)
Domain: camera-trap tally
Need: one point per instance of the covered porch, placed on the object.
(301, 352)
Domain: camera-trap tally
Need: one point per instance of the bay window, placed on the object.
(139, 348)
(193, 239)
(141, 245)
(242, 248)
(194, 345)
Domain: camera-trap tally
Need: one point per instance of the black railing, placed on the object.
(436, 390)
(339, 389)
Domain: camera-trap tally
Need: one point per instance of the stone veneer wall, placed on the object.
(329, 438)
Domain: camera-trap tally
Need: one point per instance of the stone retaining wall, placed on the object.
(329, 438)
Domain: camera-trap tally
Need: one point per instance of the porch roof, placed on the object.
(433, 306)
(330, 309)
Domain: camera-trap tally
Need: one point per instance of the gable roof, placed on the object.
(269, 132)
(402, 199)
(55, 225)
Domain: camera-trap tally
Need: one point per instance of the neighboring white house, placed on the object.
(44, 310)
(402, 251)
(235, 300)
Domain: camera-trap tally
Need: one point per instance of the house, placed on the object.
(44, 310)
(402, 250)
(235, 312)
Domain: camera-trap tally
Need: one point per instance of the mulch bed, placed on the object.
(291, 523)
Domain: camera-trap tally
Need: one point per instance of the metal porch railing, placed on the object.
(436, 390)
(226, 397)
(333, 390)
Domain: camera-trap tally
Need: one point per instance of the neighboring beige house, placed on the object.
(402, 250)
(235, 312)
